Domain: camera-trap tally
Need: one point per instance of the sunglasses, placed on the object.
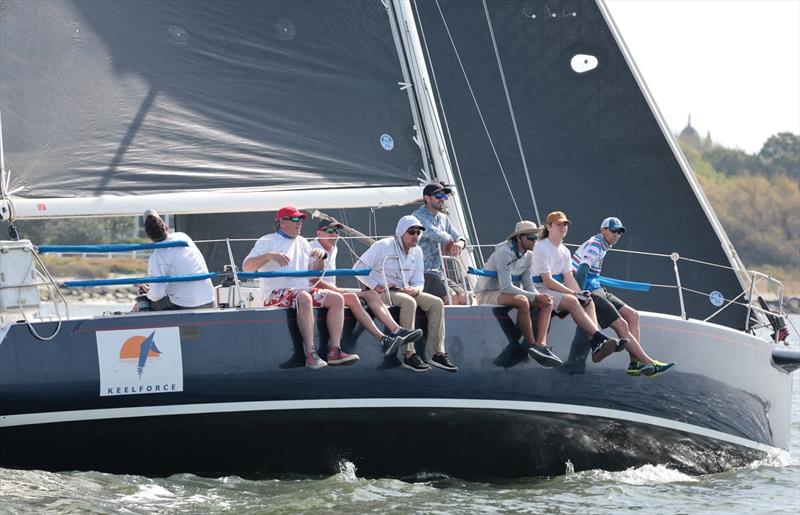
(618, 231)
(414, 232)
(441, 196)
(331, 230)
(293, 218)
(531, 237)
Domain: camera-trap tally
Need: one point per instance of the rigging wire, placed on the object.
(480, 113)
(462, 184)
(511, 112)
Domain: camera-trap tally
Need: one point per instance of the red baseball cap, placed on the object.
(288, 211)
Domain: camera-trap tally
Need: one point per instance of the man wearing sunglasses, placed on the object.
(440, 236)
(515, 257)
(587, 262)
(286, 250)
(399, 259)
(327, 237)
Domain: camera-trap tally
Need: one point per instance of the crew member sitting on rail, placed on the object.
(285, 250)
(172, 261)
(587, 262)
(327, 237)
(398, 260)
(551, 268)
(515, 257)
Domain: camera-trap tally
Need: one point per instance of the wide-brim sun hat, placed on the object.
(524, 227)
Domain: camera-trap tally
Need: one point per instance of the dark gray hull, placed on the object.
(246, 406)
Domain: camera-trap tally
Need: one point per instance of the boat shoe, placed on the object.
(337, 356)
(600, 350)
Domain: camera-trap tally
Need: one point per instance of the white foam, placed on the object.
(347, 471)
(644, 475)
(149, 493)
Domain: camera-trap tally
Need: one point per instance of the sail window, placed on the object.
(582, 63)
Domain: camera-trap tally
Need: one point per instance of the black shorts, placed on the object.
(165, 304)
(607, 306)
(435, 285)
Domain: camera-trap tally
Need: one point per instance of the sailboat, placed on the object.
(215, 111)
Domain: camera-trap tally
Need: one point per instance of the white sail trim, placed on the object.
(725, 242)
(209, 202)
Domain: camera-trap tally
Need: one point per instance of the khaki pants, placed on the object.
(433, 308)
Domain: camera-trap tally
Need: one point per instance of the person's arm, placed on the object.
(504, 275)
(370, 259)
(580, 276)
(253, 263)
(156, 291)
(527, 278)
(549, 282)
(433, 233)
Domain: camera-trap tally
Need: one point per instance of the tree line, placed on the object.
(756, 197)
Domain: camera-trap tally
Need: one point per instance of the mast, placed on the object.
(429, 114)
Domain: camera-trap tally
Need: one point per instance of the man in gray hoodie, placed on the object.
(512, 258)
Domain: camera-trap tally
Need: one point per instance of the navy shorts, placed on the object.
(607, 306)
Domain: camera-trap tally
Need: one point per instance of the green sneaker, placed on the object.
(637, 368)
(659, 368)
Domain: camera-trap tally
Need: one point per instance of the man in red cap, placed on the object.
(286, 250)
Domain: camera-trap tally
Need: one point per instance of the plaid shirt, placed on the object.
(438, 230)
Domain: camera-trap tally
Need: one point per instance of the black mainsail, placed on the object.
(135, 99)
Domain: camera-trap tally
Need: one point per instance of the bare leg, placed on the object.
(379, 309)
(632, 317)
(634, 348)
(520, 302)
(352, 301)
(545, 304)
(335, 317)
(305, 320)
(570, 304)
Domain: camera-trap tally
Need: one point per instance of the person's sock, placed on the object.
(598, 337)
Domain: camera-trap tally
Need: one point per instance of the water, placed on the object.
(770, 485)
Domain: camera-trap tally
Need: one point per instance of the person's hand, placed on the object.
(584, 297)
(142, 288)
(543, 300)
(379, 289)
(317, 253)
(456, 248)
(409, 291)
(279, 257)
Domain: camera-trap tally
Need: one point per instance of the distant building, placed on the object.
(689, 135)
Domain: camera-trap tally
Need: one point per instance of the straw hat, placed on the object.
(524, 227)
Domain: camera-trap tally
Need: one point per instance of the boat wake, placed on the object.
(644, 475)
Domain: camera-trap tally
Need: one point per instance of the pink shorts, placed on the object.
(287, 297)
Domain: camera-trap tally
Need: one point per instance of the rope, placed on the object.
(511, 111)
(480, 113)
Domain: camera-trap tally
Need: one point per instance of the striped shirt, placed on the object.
(591, 252)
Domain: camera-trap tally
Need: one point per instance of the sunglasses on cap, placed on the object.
(331, 230)
(531, 237)
(439, 195)
(414, 232)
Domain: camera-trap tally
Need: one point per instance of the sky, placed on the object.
(734, 65)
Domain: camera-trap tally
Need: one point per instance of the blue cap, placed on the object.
(612, 223)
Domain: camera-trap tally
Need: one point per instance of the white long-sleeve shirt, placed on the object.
(412, 265)
(180, 261)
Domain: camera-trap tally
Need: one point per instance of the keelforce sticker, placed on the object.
(140, 361)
